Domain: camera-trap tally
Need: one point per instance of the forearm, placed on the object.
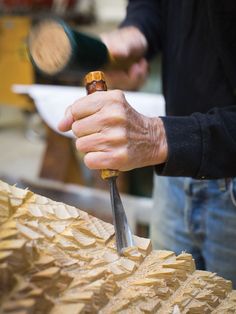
(202, 146)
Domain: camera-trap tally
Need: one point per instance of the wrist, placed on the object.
(158, 139)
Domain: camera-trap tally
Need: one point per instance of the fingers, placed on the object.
(101, 121)
(99, 160)
(132, 79)
(106, 150)
(88, 105)
(125, 42)
(95, 112)
(93, 103)
(107, 160)
(139, 69)
(116, 46)
(106, 141)
(86, 126)
(82, 108)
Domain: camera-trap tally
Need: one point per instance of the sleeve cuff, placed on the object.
(184, 142)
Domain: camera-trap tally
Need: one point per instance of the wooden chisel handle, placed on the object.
(95, 81)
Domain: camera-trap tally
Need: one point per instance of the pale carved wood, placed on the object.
(57, 259)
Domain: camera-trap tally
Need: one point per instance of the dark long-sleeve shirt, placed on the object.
(197, 39)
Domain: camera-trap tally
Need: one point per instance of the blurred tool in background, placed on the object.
(55, 47)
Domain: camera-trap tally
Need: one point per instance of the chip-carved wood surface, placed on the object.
(57, 259)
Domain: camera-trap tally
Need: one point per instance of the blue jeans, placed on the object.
(198, 217)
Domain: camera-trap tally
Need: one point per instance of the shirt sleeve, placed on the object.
(202, 146)
(146, 16)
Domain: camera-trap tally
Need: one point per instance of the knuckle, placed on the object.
(122, 134)
(87, 162)
(75, 128)
(119, 136)
(119, 159)
(118, 97)
(115, 116)
(104, 119)
(81, 146)
(111, 120)
(117, 94)
(90, 161)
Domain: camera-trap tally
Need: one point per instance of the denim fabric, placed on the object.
(198, 217)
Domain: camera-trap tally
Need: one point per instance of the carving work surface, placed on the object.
(57, 259)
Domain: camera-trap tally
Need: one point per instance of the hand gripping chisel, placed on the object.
(95, 81)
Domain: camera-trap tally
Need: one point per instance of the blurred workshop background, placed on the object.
(30, 151)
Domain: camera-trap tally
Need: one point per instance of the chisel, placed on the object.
(95, 81)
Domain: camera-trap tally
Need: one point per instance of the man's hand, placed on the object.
(126, 43)
(113, 135)
(132, 79)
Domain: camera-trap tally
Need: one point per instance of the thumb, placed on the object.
(66, 123)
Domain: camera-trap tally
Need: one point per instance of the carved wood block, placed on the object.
(55, 258)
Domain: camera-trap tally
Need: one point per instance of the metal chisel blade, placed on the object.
(122, 230)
